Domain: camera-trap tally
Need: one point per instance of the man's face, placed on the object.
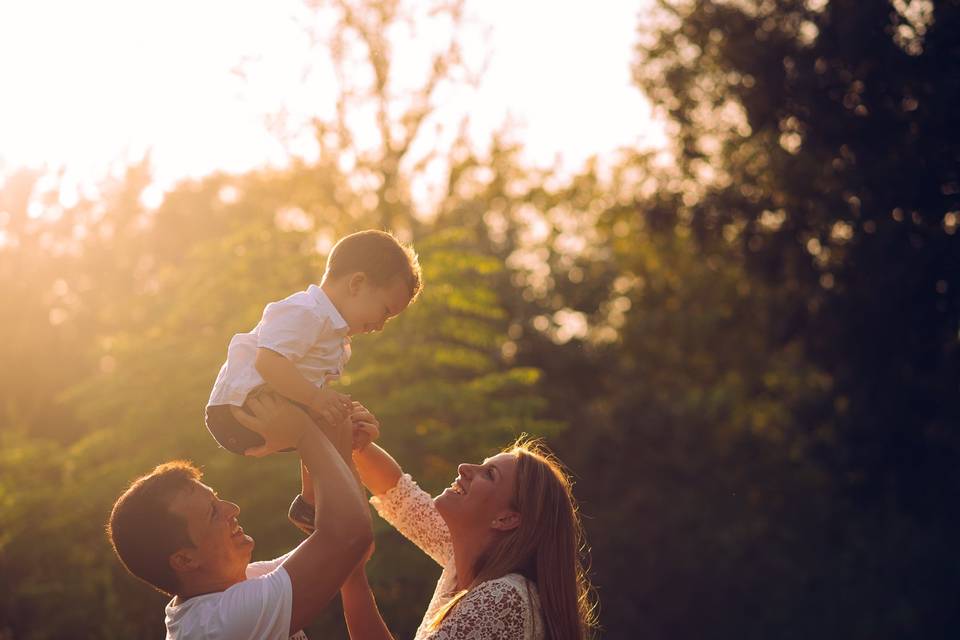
(221, 548)
(369, 306)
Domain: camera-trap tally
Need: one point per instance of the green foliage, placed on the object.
(830, 134)
(435, 378)
(747, 357)
(816, 149)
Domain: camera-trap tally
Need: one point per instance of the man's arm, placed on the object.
(341, 536)
(342, 528)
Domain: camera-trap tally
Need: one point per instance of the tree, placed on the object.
(822, 136)
(156, 306)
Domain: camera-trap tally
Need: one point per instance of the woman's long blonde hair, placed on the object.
(547, 547)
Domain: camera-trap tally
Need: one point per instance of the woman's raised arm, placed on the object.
(397, 498)
(378, 471)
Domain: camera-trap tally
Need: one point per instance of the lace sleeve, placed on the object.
(495, 610)
(410, 509)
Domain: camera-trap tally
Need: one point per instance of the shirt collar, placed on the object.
(322, 299)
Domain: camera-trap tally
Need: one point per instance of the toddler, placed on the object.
(302, 342)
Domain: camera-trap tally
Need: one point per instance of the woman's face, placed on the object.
(480, 498)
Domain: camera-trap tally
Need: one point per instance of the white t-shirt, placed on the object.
(305, 327)
(256, 609)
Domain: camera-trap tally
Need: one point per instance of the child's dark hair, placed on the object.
(377, 254)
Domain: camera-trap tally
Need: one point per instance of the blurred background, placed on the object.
(707, 249)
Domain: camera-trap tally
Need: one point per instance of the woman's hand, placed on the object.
(281, 424)
(366, 427)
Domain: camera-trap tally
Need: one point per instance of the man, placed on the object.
(174, 532)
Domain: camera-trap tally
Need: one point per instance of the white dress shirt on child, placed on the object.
(305, 328)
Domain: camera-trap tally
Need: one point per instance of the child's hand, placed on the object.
(330, 406)
(366, 427)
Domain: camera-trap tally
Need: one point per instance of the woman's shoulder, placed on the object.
(512, 589)
(514, 581)
(508, 603)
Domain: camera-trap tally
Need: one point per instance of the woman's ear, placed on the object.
(506, 521)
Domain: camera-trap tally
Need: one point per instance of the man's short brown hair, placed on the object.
(144, 532)
(377, 254)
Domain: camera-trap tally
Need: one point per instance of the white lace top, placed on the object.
(506, 608)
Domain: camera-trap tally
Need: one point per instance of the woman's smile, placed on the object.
(457, 487)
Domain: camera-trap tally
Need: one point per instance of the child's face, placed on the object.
(368, 306)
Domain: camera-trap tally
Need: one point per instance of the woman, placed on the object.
(506, 533)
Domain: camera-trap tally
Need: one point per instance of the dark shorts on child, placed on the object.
(227, 430)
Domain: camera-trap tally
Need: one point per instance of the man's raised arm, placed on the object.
(342, 524)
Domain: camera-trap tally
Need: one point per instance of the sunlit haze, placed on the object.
(88, 85)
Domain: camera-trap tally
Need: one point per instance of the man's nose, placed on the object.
(465, 469)
(233, 509)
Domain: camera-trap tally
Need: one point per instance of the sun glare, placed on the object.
(94, 85)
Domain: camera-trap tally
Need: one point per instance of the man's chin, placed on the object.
(246, 543)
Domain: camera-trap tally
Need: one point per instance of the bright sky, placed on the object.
(86, 84)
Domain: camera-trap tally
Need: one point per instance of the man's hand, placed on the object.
(281, 423)
(330, 406)
(366, 427)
